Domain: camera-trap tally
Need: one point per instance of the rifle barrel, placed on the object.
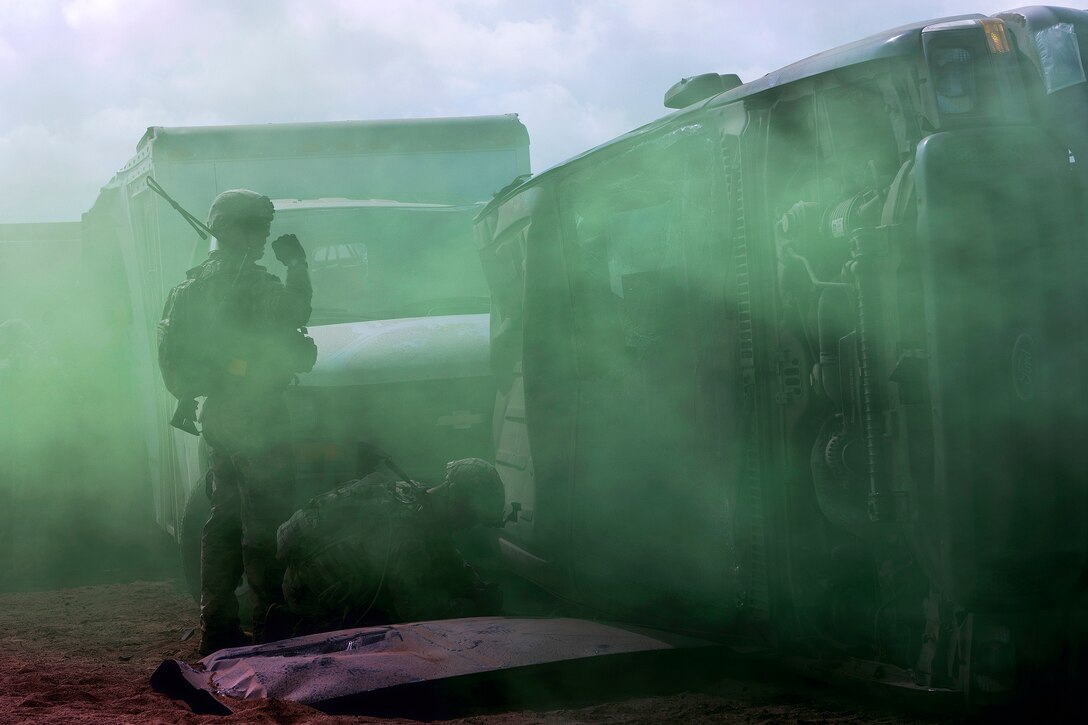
(195, 223)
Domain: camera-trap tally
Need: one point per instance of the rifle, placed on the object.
(195, 223)
(369, 456)
(184, 417)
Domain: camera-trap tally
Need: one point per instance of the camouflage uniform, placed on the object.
(373, 551)
(247, 429)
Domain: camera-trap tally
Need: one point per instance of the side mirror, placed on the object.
(696, 88)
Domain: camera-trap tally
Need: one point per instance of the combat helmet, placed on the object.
(239, 205)
(476, 492)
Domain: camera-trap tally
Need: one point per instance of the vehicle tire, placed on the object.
(197, 510)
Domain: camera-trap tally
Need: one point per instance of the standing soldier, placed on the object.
(249, 341)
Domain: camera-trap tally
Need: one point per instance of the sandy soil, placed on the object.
(84, 655)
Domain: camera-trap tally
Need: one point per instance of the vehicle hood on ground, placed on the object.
(402, 350)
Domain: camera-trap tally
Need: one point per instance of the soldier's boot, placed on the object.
(279, 623)
(219, 626)
(214, 641)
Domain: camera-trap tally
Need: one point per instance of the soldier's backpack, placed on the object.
(188, 364)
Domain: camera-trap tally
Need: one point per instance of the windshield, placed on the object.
(376, 262)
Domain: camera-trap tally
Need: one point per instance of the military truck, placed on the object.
(801, 366)
(384, 210)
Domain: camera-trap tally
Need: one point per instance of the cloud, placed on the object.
(562, 124)
(33, 186)
(8, 54)
(81, 13)
(82, 79)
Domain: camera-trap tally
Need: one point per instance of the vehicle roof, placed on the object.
(892, 43)
(187, 143)
(282, 205)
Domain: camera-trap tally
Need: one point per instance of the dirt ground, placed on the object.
(84, 655)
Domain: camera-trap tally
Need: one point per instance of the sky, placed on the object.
(80, 80)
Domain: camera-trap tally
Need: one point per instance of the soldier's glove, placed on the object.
(289, 250)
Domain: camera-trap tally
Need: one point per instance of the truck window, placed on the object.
(859, 135)
(372, 262)
(796, 161)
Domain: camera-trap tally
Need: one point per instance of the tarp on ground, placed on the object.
(433, 669)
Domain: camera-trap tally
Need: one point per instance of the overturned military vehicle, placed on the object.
(804, 362)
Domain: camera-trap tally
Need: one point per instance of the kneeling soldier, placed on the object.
(380, 550)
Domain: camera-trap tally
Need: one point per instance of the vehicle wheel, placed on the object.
(197, 510)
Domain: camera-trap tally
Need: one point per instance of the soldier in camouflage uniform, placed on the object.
(245, 420)
(379, 550)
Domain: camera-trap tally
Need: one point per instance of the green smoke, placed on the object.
(73, 500)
